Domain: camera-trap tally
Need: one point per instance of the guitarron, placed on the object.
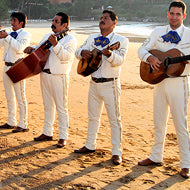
(173, 65)
(88, 66)
(32, 64)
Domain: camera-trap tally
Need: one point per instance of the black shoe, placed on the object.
(84, 150)
(19, 129)
(61, 143)
(43, 137)
(6, 126)
(116, 159)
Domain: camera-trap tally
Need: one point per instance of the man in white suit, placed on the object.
(14, 43)
(105, 84)
(172, 93)
(55, 78)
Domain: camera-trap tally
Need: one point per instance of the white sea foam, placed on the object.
(126, 28)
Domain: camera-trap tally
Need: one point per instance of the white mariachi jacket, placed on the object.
(110, 67)
(13, 48)
(155, 41)
(62, 55)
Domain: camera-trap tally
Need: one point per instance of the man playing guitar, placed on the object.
(172, 93)
(105, 84)
(14, 43)
(55, 78)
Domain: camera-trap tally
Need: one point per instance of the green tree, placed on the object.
(3, 10)
(83, 9)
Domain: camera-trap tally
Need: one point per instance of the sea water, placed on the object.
(141, 29)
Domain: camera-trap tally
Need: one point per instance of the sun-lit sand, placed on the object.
(25, 164)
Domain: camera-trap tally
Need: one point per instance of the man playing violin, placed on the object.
(14, 43)
(172, 93)
(105, 83)
(55, 78)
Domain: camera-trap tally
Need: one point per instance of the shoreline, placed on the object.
(87, 28)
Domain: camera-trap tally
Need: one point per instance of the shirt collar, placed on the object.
(108, 36)
(179, 30)
(19, 30)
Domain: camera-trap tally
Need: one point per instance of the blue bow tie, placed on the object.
(14, 34)
(103, 41)
(171, 36)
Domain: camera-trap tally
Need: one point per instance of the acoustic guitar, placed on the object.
(173, 65)
(88, 66)
(32, 64)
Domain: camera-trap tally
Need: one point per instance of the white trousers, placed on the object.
(13, 92)
(171, 95)
(107, 93)
(55, 97)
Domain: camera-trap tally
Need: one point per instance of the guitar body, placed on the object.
(32, 64)
(174, 70)
(86, 67)
(29, 66)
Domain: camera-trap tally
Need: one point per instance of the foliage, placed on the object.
(136, 10)
(3, 10)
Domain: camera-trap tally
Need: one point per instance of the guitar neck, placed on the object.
(47, 44)
(179, 59)
(62, 32)
(114, 46)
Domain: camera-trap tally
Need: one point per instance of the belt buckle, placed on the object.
(95, 79)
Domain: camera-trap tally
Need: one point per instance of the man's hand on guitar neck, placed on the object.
(154, 62)
(53, 40)
(86, 54)
(106, 52)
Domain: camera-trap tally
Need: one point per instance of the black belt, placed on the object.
(46, 71)
(98, 80)
(9, 64)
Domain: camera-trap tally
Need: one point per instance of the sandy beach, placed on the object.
(25, 164)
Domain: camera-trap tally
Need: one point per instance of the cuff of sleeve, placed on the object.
(78, 54)
(110, 59)
(8, 38)
(146, 57)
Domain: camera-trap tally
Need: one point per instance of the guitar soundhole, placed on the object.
(151, 70)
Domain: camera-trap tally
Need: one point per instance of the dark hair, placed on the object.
(65, 18)
(178, 3)
(21, 17)
(113, 16)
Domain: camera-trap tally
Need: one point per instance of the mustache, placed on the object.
(53, 26)
(102, 22)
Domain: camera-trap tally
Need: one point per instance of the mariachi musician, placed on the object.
(14, 43)
(172, 93)
(105, 83)
(55, 78)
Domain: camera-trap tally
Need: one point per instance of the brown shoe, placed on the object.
(6, 126)
(61, 143)
(43, 137)
(19, 129)
(185, 173)
(84, 150)
(116, 159)
(148, 162)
